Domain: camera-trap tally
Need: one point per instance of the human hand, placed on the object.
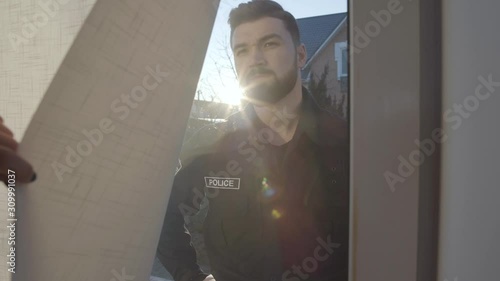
(10, 160)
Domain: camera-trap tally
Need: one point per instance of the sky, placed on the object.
(218, 81)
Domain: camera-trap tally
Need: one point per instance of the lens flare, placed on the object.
(276, 214)
(267, 190)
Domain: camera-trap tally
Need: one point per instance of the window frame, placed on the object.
(340, 47)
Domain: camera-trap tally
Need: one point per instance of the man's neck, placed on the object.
(283, 116)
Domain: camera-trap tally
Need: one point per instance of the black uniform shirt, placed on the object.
(275, 212)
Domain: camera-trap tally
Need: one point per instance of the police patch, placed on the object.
(222, 183)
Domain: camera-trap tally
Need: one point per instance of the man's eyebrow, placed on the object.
(262, 39)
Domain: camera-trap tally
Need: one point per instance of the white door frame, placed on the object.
(395, 100)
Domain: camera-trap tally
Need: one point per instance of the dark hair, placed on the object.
(257, 9)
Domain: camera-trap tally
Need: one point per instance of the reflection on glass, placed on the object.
(263, 189)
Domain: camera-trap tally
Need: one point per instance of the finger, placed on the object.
(9, 160)
(8, 141)
(4, 177)
(1, 119)
(6, 130)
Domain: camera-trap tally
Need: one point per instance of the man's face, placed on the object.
(266, 59)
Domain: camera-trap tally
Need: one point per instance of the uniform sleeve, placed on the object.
(175, 249)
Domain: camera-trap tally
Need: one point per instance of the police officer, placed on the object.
(275, 174)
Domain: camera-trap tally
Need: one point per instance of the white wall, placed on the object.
(28, 64)
(34, 38)
(114, 49)
(470, 217)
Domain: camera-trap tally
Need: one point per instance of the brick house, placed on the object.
(325, 38)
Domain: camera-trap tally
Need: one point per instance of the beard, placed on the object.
(273, 89)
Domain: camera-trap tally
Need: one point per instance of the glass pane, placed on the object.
(345, 57)
(264, 183)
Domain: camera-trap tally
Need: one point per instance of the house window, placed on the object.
(341, 57)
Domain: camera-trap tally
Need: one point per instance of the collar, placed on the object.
(309, 116)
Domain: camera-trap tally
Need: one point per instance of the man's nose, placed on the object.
(257, 57)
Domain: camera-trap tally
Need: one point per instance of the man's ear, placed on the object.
(301, 55)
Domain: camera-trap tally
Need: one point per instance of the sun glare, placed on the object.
(231, 93)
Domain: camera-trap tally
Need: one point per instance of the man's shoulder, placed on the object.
(214, 138)
(334, 123)
(333, 129)
(206, 138)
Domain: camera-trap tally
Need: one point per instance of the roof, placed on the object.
(315, 30)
